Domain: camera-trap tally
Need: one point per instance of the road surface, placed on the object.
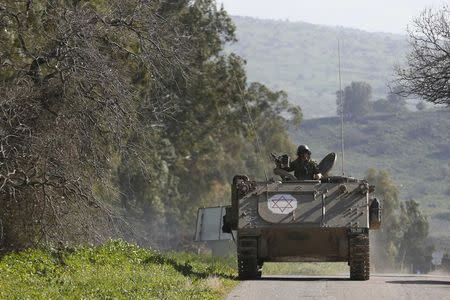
(398, 287)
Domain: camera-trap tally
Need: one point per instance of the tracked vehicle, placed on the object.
(287, 220)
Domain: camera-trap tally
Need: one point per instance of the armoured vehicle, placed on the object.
(287, 220)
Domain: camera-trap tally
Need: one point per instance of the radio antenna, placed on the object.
(341, 103)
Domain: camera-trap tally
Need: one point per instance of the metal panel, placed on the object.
(318, 205)
(293, 207)
(348, 209)
(209, 224)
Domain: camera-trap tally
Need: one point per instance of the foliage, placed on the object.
(354, 100)
(425, 73)
(383, 106)
(116, 270)
(386, 245)
(393, 104)
(71, 72)
(402, 241)
(409, 146)
(211, 134)
(413, 247)
(125, 116)
(396, 100)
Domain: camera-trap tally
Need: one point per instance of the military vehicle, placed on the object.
(288, 220)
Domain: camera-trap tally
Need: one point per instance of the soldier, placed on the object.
(304, 168)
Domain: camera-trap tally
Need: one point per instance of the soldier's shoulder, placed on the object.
(295, 161)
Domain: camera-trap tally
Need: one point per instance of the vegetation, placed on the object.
(402, 241)
(411, 146)
(120, 118)
(301, 59)
(354, 100)
(425, 73)
(307, 269)
(116, 270)
(79, 80)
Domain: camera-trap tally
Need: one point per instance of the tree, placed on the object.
(355, 100)
(383, 106)
(413, 250)
(125, 117)
(386, 240)
(76, 80)
(426, 73)
(396, 100)
(402, 240)
(394, 103)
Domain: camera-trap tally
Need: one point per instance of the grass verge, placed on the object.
(115, 270)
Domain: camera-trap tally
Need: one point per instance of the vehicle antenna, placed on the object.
(252, 125)
(341, 103)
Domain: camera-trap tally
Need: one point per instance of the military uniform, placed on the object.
(303, 170)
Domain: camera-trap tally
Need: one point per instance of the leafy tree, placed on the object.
(229, 129)
(222, 125)
(426, 70)
(402, 240)
(413, 249)
(354, 100)
(394, 103)
(386, 241)
(125, 112)
(383, 106)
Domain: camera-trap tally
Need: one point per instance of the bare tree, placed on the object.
(76, 82)
(427, 70)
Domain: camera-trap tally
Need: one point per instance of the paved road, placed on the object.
(398, 287)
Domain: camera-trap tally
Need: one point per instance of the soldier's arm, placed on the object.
(315, 170)
(291, 166)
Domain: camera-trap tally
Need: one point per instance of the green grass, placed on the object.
(308, 269)
(116, 270)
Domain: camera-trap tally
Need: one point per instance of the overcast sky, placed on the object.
(371, 15)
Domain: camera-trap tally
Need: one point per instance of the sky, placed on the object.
(370, 15)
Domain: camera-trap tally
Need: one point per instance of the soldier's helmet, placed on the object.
(303, 149)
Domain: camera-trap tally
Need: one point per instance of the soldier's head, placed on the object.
(303, 152)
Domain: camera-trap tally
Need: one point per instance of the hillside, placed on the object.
(413, 147)
(301, 58)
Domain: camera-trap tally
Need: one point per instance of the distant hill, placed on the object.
(302, 59)
(413, 147)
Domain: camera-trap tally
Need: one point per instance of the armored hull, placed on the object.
(302, 221)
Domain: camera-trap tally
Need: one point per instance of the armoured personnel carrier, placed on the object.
(288, 220)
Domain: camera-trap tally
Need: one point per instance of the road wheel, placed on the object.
(248, 267)
(359, 257)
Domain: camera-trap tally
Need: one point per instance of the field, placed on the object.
(413, 147)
